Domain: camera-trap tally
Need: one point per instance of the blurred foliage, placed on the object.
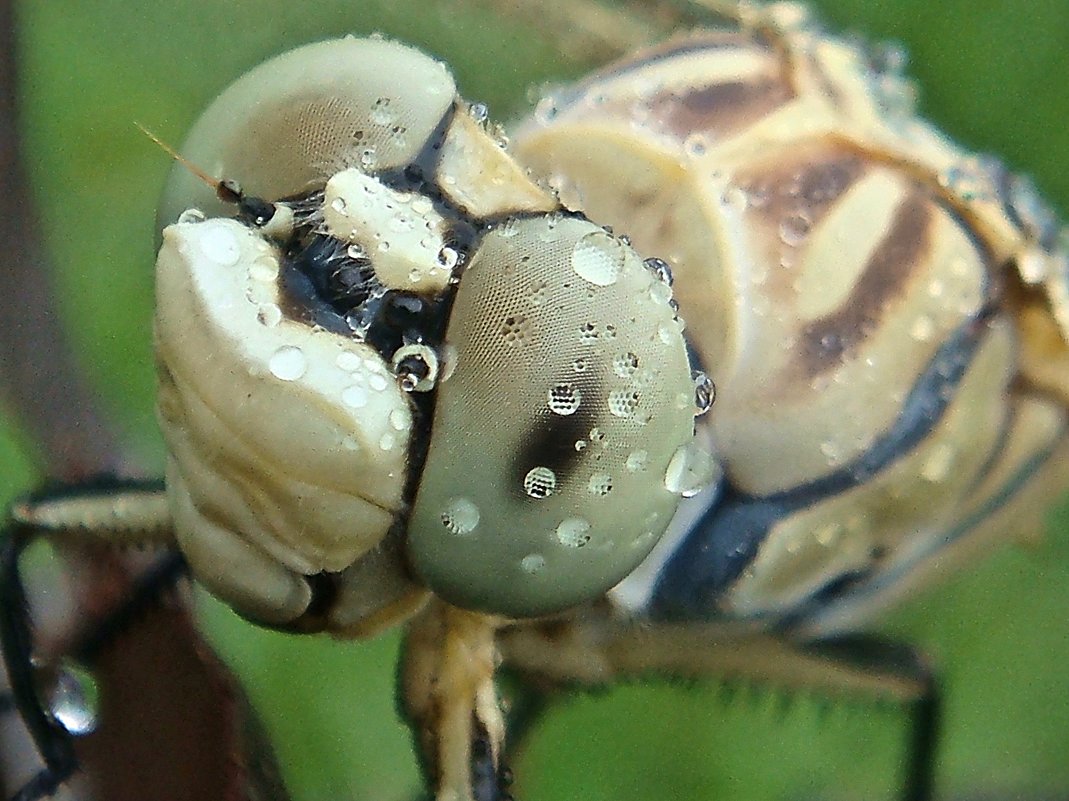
(992, 73)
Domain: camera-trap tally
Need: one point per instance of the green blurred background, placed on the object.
(992, 73)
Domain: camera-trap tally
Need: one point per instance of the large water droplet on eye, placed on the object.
(691, 469)
(598, 259)
(460, 516)
(564, 399)
(288, 363)
(540, 482)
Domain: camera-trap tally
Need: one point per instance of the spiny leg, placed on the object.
(596, 650)
(108, 512)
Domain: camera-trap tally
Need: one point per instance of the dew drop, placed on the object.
(387, 442)
(339, 205)
(600, 484)
(532, 563)
(794, 229)
(625, 365)
(74, 700)
(564, 399)
(623, 402)
(264, 269)
(704, 392)
(400, 419)
(637, 461)
(690, 470)
(349, 361)
(288, 363)
(460, 516)
(573, 532)
(354, 396)
(598, 259)
(269, 314)
(221, 246)
(191, 216)
(378, 382)
(540, 482)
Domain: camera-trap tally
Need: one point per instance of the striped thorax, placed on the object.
(883, 313)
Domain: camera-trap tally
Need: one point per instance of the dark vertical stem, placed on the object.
(39, 378)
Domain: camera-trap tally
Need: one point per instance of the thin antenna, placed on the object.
(228, 191)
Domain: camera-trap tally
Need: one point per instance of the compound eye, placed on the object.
(288, 125)
(545, 479)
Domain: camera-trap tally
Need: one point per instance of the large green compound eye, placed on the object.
(559, 432)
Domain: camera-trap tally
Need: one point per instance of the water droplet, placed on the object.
(400, 419)
(220, 245)
(74, 700)
(600, 484)
(381, 112)
(547, 110)
(460, 516)
(354, 396)
(540, 482)
(695, 145)
(625, 365)
(923, 328)
(623, 402)
(378, 382)
(794, 229)
(269, 314)
(264, 269)
(479, 112)
(660, 270)
(564, 399)
(704, 392)
(339, 205)
(937, 466)
(288, 363)
(448, 258)
(191, 216)
(349, 361)
(598, 259)
(355, 251)
(580, 365)
(573, 532)
(532, 563)
(637, 461)
(588, 332)
(387, 442)
(690, 470)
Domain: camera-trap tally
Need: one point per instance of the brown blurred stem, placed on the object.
(40, 380)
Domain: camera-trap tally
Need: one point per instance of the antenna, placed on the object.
(227, 190)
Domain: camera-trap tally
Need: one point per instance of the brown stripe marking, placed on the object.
(825, 341)
(719, 109)
(808, 182)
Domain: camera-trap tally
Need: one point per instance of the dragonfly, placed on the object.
(685, 702)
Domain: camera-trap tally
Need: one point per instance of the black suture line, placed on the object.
(53, 742)
(727, 538)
